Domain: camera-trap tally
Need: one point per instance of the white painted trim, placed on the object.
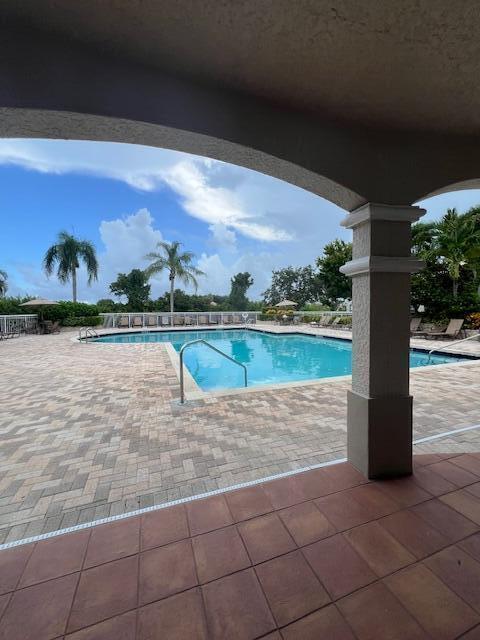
(445, 434)
(242, 485)
(382, 264)
(390, 213)
(172, 503)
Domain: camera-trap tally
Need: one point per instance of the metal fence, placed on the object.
(178, 319)
(195, 319)
(18, 324)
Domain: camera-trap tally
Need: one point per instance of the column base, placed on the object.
(379, 435)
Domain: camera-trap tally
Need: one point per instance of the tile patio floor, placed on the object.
(320, 554)
(92, 431)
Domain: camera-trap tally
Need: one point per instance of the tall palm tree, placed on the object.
(178, 264)
(67, 253)
(3, 283)
(457, 239)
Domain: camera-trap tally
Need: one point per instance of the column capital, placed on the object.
(391, 213)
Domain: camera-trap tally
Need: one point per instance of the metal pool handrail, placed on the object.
(89, 333)
(189, 344)
(451, 344)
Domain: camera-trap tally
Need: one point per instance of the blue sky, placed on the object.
(125, 198)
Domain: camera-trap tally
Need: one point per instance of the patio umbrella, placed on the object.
(287, 303)
(39, 302)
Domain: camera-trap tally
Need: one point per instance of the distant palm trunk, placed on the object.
(172, 289)
(74, 284)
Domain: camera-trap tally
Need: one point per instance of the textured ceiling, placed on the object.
(406, 64)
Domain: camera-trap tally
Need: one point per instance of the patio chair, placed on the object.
(415, 324)
(123, 322)
(227, 319)
(189, 321)
(213, 319)
(337, 320)
(178, 321)
(137, 321)
(166, 321)
(55, 328)
(151, 321)
(453, 330)
(237, 320)
(202, 320)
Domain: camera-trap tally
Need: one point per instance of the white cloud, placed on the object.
(222, 237)
(148, 169)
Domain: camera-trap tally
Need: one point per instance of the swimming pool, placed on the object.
(269, 358)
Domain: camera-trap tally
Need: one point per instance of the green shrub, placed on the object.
(82, 321)
(473, 320)
(65, 309)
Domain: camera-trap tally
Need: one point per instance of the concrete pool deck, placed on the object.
(92, 431)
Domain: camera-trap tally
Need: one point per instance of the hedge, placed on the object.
(82, 321)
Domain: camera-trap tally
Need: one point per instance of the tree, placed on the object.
(107, 305)
(3, 283)
(332, 284)
(178, 264)
(134, 286)
(296, 284)
(239, 285)
(457, 241)
(67, 254)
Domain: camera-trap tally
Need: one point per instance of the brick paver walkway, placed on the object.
(321, 554)
(90, 431)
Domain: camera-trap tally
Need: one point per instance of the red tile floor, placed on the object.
(321, 554)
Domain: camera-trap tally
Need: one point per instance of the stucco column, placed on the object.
(379, 440)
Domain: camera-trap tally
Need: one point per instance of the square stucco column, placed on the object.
(379, 437)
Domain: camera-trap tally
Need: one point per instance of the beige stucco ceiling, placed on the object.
(406, 64)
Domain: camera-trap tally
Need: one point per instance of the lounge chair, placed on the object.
(415, 324)
(189, 321)
(213, 319)
(151, 321)
(178, 321)
(452, 331)
(227, 319)
(137, 321)
(123, 322)
(202, 320)
(337, 320)
(166, 321)
(237, 320)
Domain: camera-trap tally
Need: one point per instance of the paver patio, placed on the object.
(91, 431)
(321, 554)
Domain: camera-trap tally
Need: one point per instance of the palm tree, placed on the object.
(3, 283)
(178, 264)
(456, 240)
(67, 253)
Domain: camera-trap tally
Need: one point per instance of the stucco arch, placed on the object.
(55, 88)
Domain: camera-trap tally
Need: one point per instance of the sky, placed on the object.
(126, 198)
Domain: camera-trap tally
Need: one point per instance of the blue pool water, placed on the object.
(269, 358)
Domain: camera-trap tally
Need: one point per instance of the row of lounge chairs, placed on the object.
(333, 321)
(453, 330)
(178, 320)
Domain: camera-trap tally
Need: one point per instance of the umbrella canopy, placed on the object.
(38, 302)
(286, 303)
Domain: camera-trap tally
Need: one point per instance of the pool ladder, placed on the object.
(451, 344)
(87, 332)
(192, 342)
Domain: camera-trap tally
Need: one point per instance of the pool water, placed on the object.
(269, 358)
